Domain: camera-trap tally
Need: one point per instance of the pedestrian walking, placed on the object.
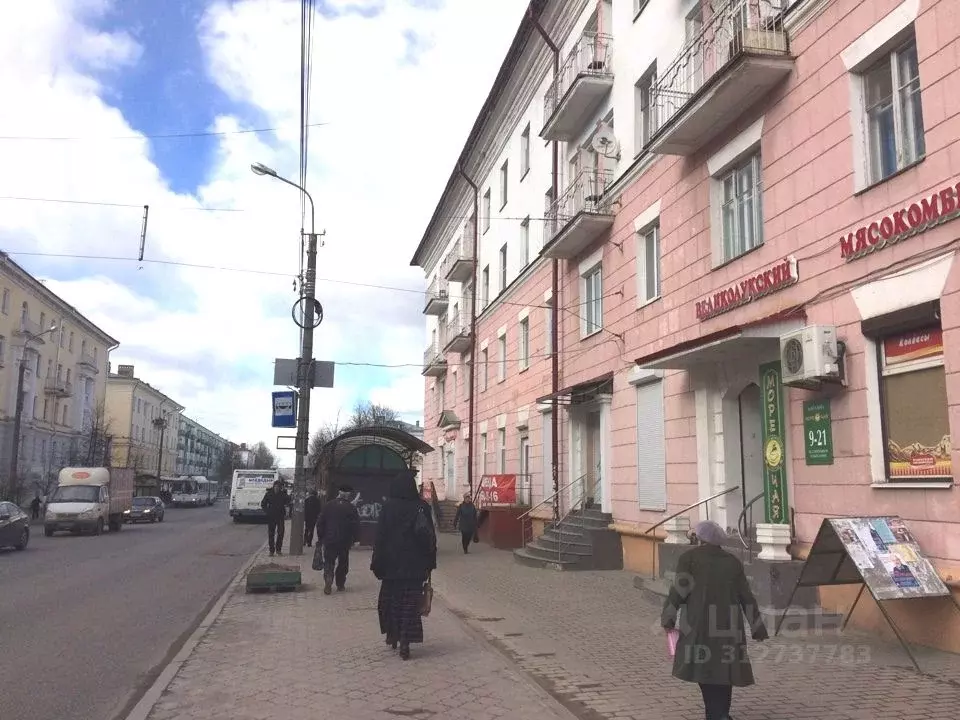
(311, 512)
(404, 555)
(337, 530)
(274, 504)
(706, 604)
(466, 521)
(35, 507)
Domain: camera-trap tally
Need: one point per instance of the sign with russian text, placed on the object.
(284, 409)
(774, 453)
(901, 224)
(916, 345)
(765, 282)
(817, 432)
(497, 490)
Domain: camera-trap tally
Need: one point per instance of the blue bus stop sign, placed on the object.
(285, 409)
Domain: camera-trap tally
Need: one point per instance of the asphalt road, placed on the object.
(86, 623)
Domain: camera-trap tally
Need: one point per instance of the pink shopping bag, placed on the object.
(673, 636)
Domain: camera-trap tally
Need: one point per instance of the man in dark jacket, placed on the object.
(311, 511)
(274, 504)
(466, 521)
(337, 530)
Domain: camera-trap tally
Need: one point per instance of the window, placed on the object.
(63, 416)
(486, 210)
(502, 358)
(49, 367)
(525, 242)
(648, 264)
(46, 410)
(501, 450)
(645, 108)
(37, 368)
(638, 7)
(524, 152)
(524, 344)
(71, 341)
(59, 371)
(549, 213)
(651, 447)
(36, 406)
(3, 350)
(484, 365)
(485, 286)
(5, 307)
(43, 321)
(741, 214)
(63, 336)
(483, 454)
(549, 320)
(504, 183)
(591, 297)
(524, 484)
(913, 398)
(441, 394)
(891, 91)
(503, 267)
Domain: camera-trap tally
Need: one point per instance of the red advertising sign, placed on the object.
(901, 224)
(914, 345)
(767, 281)
(498, 490)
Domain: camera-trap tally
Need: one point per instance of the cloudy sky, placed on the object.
(152, 102)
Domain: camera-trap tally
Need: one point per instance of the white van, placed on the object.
(247, 492)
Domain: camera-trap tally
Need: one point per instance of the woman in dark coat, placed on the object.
(711, 596)
(466, 521)
(404, 555)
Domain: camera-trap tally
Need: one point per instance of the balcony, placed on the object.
(738, 57)
(457, 334)
(58, 387)
(436, 299)
(89, 362)
(458, 264)
(585, 79)
(31, 329)
(434, 362)
(579, 216)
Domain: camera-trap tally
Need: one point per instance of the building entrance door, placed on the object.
(751, 461)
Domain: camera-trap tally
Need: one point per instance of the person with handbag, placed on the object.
(404, 556)
(466, 522)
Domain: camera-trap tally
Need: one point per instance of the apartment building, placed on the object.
(755, 299)
(145, 425)
(64, 359)
(199, 450)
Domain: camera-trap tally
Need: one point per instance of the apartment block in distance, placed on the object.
(64, 358)
(199, 450)
(751, 223)
(145, 426)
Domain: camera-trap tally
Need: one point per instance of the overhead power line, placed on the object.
(149, 136)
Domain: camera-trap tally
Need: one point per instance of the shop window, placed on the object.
(913, 398)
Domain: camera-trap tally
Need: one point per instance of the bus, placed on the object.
(192, 491)
(247, 491)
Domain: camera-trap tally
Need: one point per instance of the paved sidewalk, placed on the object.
(302, 655)
(593, 640)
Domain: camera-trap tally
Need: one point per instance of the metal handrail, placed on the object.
(741, 523)
(551, 497)
(581, 502)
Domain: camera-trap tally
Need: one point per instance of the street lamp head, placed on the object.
(261, 169)
(53, 327)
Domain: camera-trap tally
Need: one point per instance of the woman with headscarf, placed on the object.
(404, 555)
(711, 595)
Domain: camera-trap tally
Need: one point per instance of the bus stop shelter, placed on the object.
(368, 459)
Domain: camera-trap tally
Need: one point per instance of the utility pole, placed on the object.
(17, 419)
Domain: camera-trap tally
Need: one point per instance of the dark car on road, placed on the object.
(145, 509)
(14, 526)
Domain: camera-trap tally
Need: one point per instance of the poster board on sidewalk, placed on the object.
(879, 552)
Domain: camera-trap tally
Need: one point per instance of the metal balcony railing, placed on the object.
(88, 360)
(57, 386)
(26, 326)
(583, 194)
(433, 354)
(590, 56)
(436, 291)
(733, 29)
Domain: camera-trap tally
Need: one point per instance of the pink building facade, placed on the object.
(757, 298)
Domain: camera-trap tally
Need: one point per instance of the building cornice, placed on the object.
(113, 379)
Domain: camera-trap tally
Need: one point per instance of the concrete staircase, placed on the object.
(446, 511)
(581, 541)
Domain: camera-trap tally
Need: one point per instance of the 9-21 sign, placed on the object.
(817, 432)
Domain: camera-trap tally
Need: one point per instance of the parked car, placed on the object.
(145, 509)
(14, 526)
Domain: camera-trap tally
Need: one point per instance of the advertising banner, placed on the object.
(497, 490)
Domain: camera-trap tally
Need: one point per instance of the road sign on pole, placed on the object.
(285, 373)
(285, 409)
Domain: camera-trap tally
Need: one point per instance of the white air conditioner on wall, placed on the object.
(810, 356)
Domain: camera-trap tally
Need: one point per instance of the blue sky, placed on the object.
(99, 69)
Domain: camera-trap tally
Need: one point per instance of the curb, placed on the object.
(149, 699)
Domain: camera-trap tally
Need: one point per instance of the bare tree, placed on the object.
(92, 450)
(263, 457)
(367, 414)
(227, 463)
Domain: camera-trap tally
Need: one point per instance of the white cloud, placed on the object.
(376, 172)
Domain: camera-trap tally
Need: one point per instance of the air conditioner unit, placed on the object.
(810, 356)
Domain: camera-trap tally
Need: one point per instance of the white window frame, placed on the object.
(638, 7)
(525, 242)
(441, 394)
(524, 485)
(487, 211)
(504, 183)
(591, 283)
(523, 341)
(501, 450)
(645, 238)
(548, 314)
(483, 454)
(524, 152)
(502, 357)
(485, 287)
(484, 368)
(643, 99)
(502, 259)
(733, 202)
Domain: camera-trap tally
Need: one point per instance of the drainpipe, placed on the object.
(555, 285)
(473, 323)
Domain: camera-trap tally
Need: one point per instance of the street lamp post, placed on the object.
(304, 368)
(18, 412)
(160, 423)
